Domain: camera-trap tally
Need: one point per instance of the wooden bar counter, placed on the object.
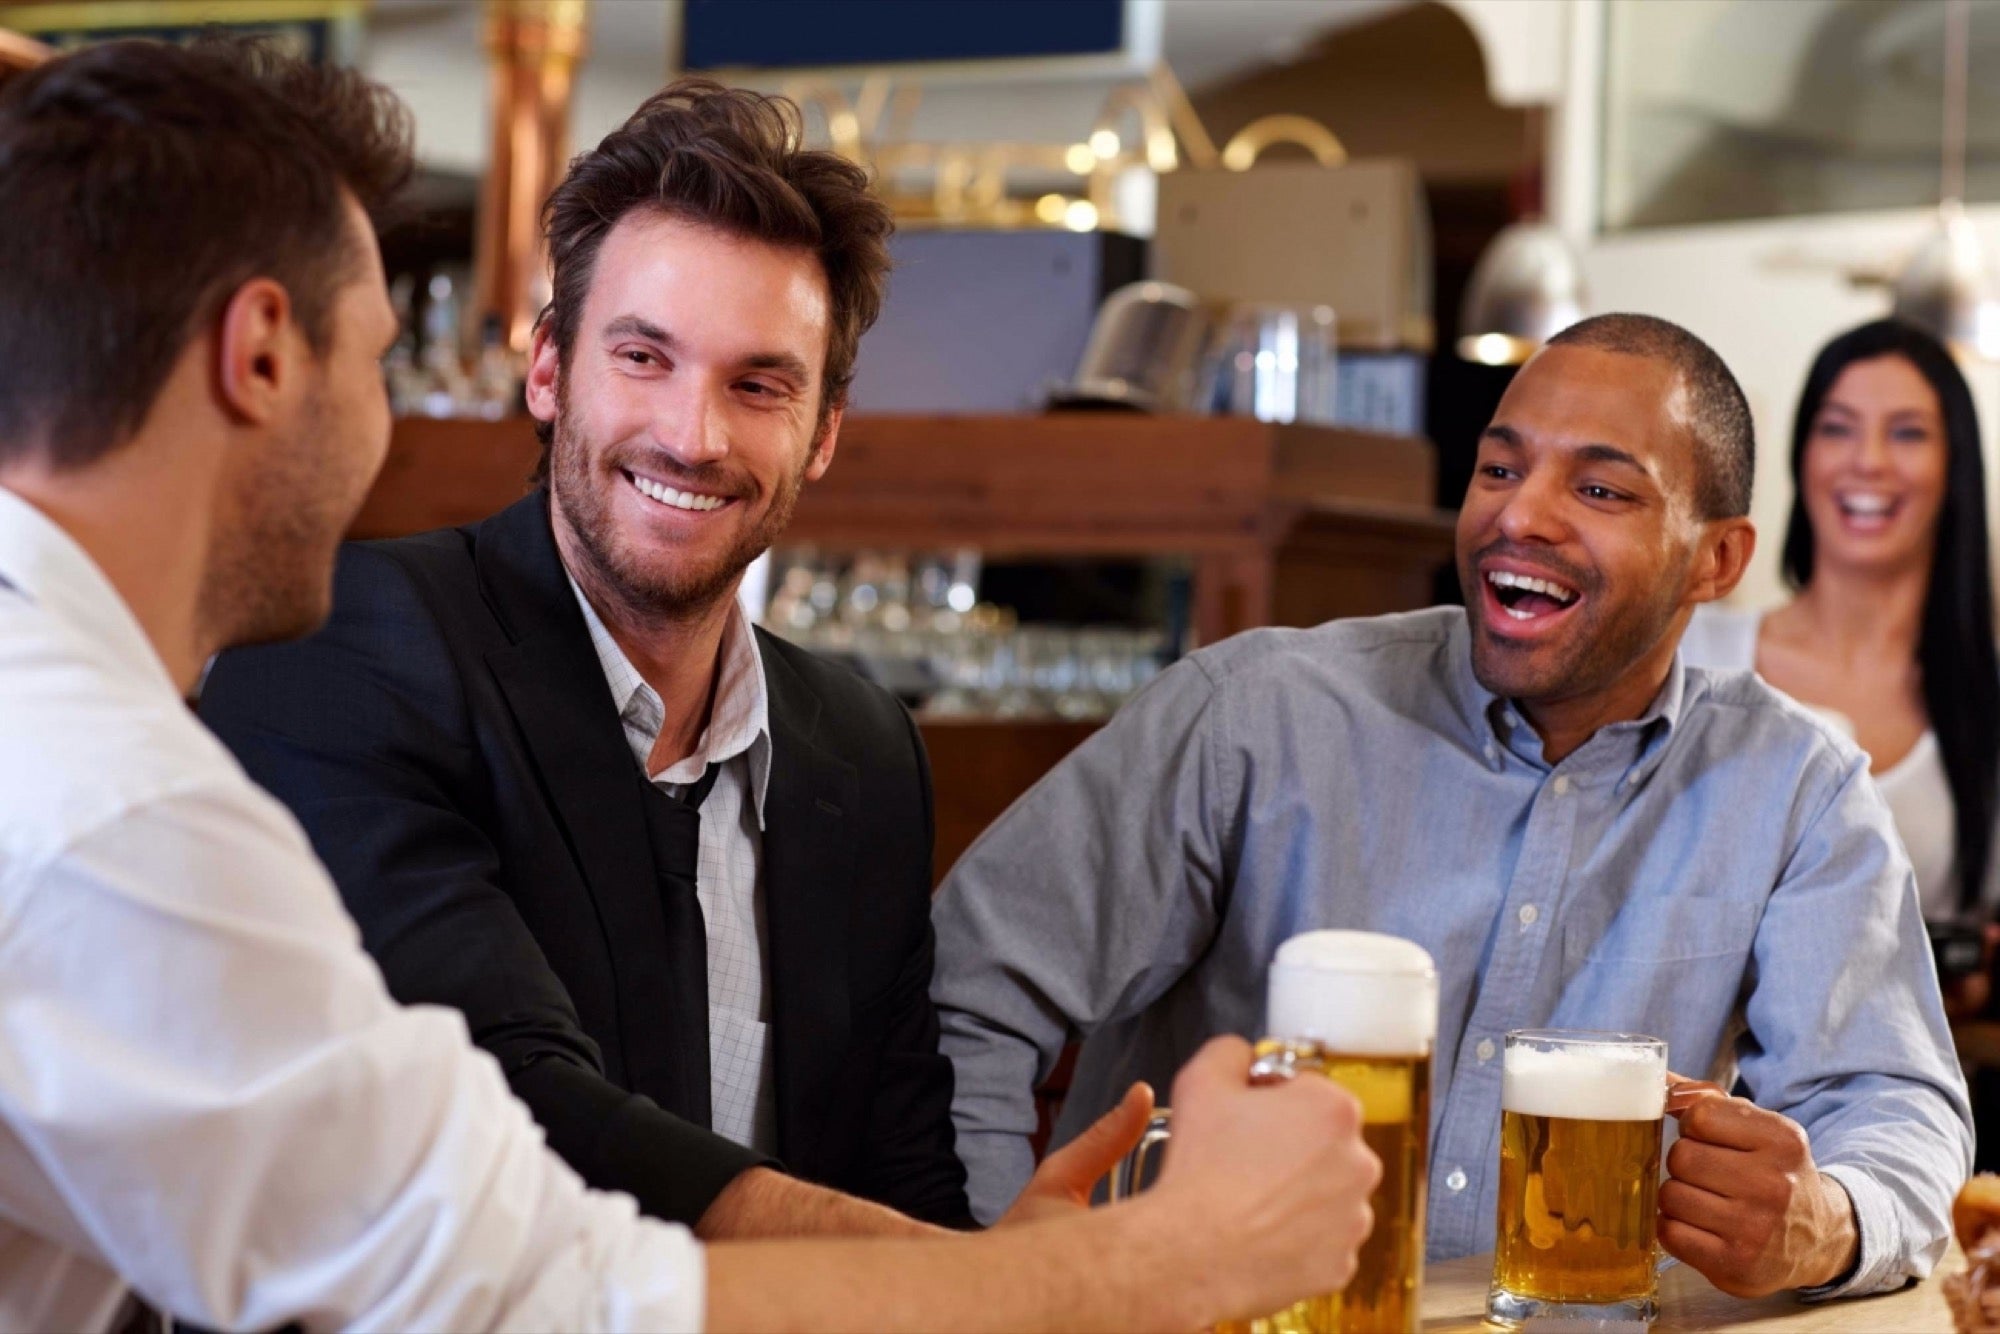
(1282, 525)
(1455, 1300)
(1287, 525)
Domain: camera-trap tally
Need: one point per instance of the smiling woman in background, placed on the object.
(1892, 628)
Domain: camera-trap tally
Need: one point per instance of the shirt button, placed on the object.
(1529, 912)
(1456, 1181)
(1484, 1050)
(1562, 785)
(1492, 753)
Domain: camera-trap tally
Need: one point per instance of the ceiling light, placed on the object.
(1527, 287)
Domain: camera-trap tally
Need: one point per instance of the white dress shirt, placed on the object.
(205, 1089)
(1916, 787)
(728, 870)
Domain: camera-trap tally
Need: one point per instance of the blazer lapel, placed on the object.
(809, 869)
(554, 686)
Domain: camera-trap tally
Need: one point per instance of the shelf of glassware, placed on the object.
(1283, 524)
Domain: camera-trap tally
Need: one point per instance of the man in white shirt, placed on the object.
(205, 1091)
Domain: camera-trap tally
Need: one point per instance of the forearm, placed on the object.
(767, 1205)
(1107, 1270)
(1109, 923)
(1899, 1155)
(993, 1111)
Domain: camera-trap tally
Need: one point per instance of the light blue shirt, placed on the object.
(1719, 873)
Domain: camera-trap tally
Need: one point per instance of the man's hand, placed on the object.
(1745, 1205)
(1062, 1184)
(1267, 1188)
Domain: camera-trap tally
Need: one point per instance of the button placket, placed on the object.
(1469, 1129)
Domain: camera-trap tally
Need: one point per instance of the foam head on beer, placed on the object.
(1585, 1081)
(1354, 992)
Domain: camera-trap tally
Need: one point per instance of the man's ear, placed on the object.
(1726, 548)
(822, 455)
(544, 374)
(257, 352)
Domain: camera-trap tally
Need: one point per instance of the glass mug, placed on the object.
(1581, 1122)
(1359, 1009)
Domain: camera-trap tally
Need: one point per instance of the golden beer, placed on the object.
(1580, 1133)
(1359, 1009)
(1384, 1294)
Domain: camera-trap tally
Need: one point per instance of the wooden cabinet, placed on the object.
(1287, 525)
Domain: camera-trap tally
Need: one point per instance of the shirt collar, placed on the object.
(739, 719)
(1635, 746)
(43, 563)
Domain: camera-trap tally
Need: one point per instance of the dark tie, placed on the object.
(674, 826)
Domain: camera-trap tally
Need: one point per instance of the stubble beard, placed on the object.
(655, 590)
(269, 576)
(1605, 643)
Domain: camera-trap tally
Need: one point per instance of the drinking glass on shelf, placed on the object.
(1276, 363)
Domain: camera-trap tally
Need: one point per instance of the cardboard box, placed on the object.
(1355, 237)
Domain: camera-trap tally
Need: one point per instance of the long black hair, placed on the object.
(1961, 668)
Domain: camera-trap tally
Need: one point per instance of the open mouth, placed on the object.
(669, 497)
(1867, 511)
(1528, 599)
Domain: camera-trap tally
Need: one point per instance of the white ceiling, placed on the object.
(1210, 40)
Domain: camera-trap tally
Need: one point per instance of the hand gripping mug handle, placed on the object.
(1130, 1172)
(1273, 1067)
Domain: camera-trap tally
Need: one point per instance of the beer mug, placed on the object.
(1359, 1009)
(1580, 1129)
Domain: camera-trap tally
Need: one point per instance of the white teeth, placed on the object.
(667, 495)
(1866, 505)
(1528, 583)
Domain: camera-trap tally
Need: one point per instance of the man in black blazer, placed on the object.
(450, 747)
(674, 871)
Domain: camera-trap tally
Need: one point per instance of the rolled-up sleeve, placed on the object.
(1081, 905)
(1847, 1034)
(207, 1089)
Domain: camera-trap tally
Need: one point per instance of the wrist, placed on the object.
(1839, 1250)
(1179, 1285)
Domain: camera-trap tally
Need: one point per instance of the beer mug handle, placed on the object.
(1272, 1068)
(1131, 1169)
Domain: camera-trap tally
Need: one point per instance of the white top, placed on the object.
(205, 1089)
(743, 1101)
(1918, 793)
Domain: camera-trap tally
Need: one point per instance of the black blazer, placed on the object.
(450, 745)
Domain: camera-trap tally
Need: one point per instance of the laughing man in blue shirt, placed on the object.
(1582, 831)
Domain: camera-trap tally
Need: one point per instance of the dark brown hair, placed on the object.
(1955, 648)
(1725, 438)
(730, 159)
(142, 184)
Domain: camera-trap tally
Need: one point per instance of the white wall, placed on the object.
(1764, 294)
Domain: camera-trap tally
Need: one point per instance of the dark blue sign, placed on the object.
(790, 34)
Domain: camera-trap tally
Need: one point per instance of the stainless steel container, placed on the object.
(1145, 352)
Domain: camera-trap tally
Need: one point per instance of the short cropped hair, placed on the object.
(1725, 438)
(734, 160)
(140, 185)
